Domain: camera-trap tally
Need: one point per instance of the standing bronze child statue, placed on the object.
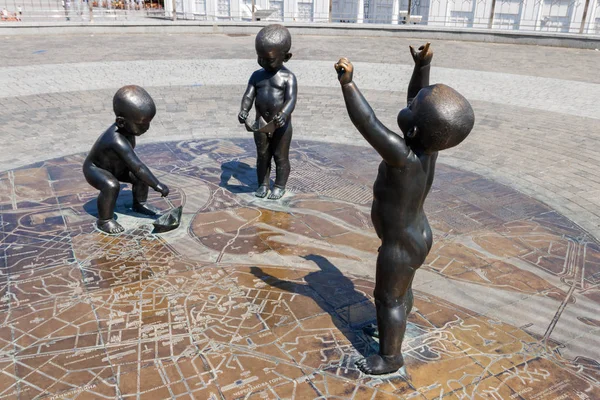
(436, 118)
(273, 90)
(112, 159)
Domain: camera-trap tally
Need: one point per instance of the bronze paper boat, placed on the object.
(168, 221)
(260, 125)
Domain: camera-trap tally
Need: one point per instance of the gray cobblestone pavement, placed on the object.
(537, 109)
(549, 62)
(557, 95)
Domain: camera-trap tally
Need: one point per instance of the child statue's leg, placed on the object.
(109, 188)
(281, 141)
(263, 163)
(371, 329)
(393, 300)
(140, 196)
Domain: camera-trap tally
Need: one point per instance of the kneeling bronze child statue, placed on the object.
(112, 159)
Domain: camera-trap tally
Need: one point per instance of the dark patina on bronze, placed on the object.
(273, 91)
(112, 158)
(436, 118)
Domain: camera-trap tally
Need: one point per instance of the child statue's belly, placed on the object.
(269, 102)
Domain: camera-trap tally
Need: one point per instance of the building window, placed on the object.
(200, 7)
(276, 5)
(305, 12)
(223, 8)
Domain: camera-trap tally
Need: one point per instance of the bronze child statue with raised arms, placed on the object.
(112, 159)
(436, 118)
(273, 90)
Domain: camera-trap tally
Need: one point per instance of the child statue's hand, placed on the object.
(162, 189)
(242, 116)
(423, 56)
(345, 69)
(280, 119)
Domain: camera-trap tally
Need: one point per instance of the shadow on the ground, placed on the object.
(124, 205)
(240, 171)
(350, 309)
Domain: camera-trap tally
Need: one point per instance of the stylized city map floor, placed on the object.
(255, 299)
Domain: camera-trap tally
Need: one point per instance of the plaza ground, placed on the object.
(239, 302)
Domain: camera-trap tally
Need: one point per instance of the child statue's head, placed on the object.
(134, 109)
(273, 44)
(438, 118)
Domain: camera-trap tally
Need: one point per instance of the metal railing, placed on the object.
(564, 16)
(78, 10)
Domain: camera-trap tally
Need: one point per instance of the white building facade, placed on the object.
(525, 15)
(241, 10)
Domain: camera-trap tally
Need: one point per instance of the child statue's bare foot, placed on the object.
(371, 330)
(145, 209)
(276, 193)
(262, 191)
(379, 365)
(109, 226)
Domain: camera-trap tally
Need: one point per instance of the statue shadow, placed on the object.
(350, 310)
(123, 206)
(240, 171)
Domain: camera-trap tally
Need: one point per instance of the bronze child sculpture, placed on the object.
(273, 90)
(112, 159)
(436, 118)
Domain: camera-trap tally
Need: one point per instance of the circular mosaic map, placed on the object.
(260, 299)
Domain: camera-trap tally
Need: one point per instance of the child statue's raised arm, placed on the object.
(420, 76)
(388, 144)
